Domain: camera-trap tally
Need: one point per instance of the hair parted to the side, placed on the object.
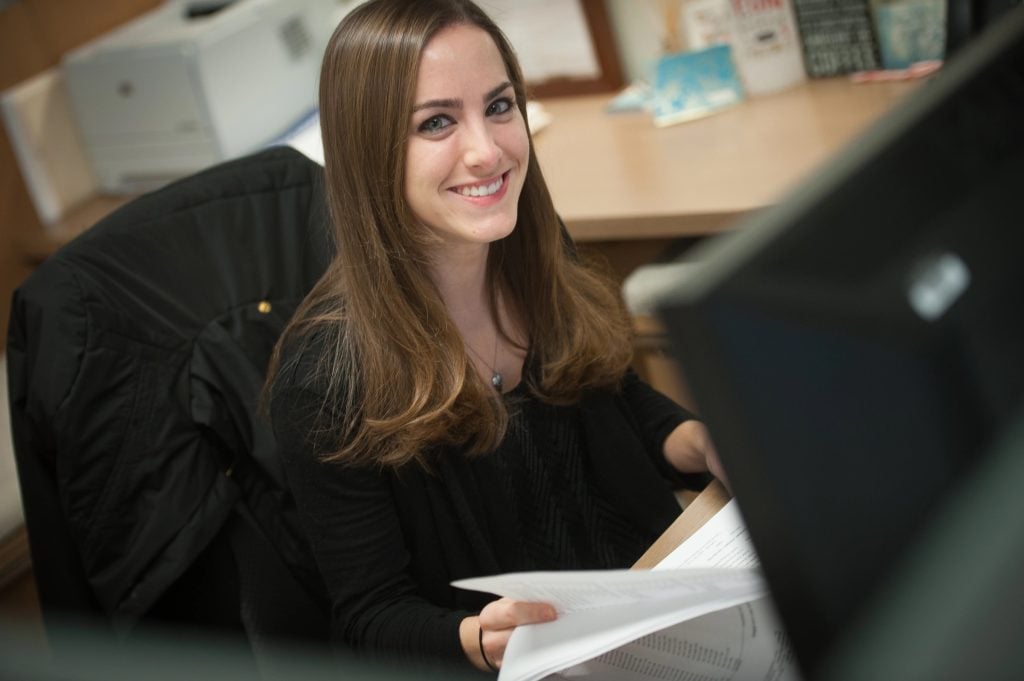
(395, 372)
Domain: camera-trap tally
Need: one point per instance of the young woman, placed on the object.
(453, 399)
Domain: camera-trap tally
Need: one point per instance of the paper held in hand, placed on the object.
(702, 613)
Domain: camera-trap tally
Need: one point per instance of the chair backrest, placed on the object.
(136, 353)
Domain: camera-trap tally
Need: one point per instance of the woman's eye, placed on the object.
(435, 124)
(499, 106)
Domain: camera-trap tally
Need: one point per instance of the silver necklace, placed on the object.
(496, 378)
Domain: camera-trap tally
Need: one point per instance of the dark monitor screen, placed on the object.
(966, 19)
(856, 348)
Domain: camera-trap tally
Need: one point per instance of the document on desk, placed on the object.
(702, 613)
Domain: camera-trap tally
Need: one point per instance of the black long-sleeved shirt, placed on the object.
(584, 486)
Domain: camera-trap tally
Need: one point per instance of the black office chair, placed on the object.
(152, 489)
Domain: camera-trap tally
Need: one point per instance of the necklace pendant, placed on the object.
(496, 381)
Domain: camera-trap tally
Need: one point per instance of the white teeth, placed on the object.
(486, 190)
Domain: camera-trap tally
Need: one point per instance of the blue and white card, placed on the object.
(689, 85)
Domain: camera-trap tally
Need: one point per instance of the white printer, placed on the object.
(193, 83)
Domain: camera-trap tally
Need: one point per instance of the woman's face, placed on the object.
(467, 149)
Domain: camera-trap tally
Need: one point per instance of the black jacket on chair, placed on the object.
(136, 357)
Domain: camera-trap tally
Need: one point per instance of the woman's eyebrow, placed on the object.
(497, 91)
(438, 104)
(457, 103)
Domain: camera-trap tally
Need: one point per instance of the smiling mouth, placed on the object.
(480, 190)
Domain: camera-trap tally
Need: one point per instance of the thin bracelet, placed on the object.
(483, 654)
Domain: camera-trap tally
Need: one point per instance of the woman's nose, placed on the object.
(481, 148)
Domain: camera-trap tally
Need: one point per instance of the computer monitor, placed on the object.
(965, 19)
(857, 348)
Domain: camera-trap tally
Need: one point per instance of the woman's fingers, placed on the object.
(493, 644)
(506, 613)
(499, 619)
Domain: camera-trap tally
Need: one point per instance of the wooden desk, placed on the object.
(617, 177)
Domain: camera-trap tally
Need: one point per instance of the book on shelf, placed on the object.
(695, 607)
(838, 36)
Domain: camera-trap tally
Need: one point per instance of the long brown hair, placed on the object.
(391, 362)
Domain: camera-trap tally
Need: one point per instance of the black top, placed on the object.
(583, 486)
(561, 518)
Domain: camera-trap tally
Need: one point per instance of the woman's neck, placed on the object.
(461, 279)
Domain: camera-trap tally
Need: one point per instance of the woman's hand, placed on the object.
(484, 638)
(689, 449)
